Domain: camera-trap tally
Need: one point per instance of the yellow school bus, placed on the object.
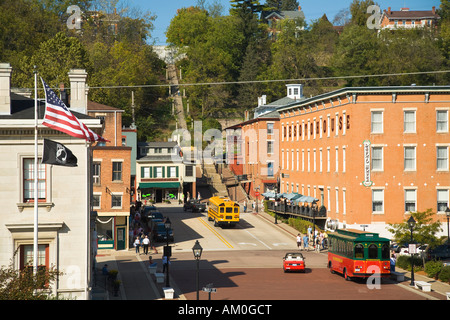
(223, 211)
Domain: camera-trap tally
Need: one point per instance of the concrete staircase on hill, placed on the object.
(217, 187)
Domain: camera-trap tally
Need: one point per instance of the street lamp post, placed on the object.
(447, 213)
(167, 249)
(411, 224)
(314, 209)
(197, 250)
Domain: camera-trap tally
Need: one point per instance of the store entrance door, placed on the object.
(121, 237)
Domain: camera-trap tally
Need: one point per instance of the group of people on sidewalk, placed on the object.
(317, 242)
(139, 231)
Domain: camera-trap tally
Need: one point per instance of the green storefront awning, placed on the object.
(165, 185)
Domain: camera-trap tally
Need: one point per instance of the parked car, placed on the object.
(439, 253)
(156, 215)
(147, 210)
(195, 206)
(294, 261)
(161, 233)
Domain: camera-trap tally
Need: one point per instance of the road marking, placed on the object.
(215, 232)
(245, 243)
(258, 239)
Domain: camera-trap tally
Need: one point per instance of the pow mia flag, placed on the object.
(58, 154)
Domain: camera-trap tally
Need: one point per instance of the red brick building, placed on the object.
(370, 155)
(111, 179)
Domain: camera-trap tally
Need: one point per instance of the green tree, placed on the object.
(54, 58)
(357, 53)
(358, 10)
(424, 231)
(282, 5)
(22, 284)
(189, 27)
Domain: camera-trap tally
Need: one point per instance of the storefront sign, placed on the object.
(367, 182)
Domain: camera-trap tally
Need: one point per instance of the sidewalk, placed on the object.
(136, 281)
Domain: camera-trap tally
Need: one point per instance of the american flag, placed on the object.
(58, 116)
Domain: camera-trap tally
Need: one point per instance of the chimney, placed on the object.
(299, 8)
(389, 10)
(63, 94)
(78, 90)
(433, 9)
(5, 88)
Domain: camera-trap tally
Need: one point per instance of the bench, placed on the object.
(448, 295)
(159, 277)
(424, 286)
(398, 276)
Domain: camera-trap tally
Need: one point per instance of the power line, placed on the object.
(264, 81)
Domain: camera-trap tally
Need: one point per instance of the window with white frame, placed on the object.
(96, 172)
(96, 200)
(442, 158)
(292, 160)
(410, 200)
(159, 172)
(377, 200)
(303, 159)
(172, 172)
(28, 180)
(377, 158)
(146, 171)
(287, 159)
(409, 121)
(377, 122)
(337, 158)
(442, 199)
(328, 159)
(410, 158)
(320, 159)
(344, 159)
(441, 120)
(270, 147)
(116, 201)
(269, 127)
(337, 200)
(117, 171)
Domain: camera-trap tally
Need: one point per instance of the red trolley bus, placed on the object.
(358, 254)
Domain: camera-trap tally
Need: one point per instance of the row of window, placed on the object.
(291, 160)
(165, 171)
(160, 172)
(409, 121)
(116, 172)
(317, 127)
(410, 200)
(116, 200)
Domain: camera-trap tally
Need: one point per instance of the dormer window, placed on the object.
(294, 91)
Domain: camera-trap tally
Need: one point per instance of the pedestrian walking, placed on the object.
(299, 241)
(305, 242)
(318, 244)
(137, 244)
(245, 205)
(145, 244)
(165, 261)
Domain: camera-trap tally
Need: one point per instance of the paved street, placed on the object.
(244, 263)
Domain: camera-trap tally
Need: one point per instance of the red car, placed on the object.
(294, 261)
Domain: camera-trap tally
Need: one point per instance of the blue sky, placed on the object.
(313, 9)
